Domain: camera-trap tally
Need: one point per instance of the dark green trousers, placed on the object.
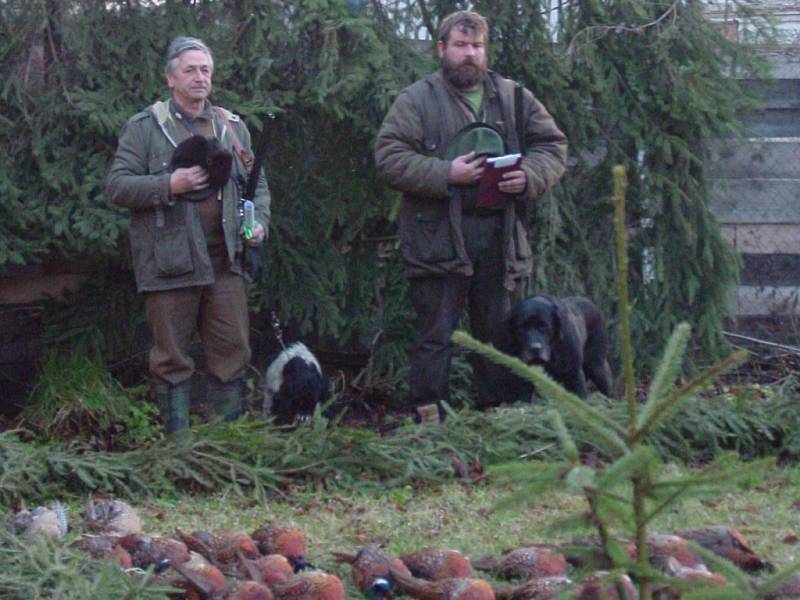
(439, 302)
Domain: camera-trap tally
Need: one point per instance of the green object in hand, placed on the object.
(249, 219)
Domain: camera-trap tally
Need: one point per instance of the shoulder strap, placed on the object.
(519, 116)
(229, 118)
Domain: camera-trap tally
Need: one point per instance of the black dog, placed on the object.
(566, 336)
(294, 385)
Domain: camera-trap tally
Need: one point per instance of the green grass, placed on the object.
(407, 518)
(465, 518)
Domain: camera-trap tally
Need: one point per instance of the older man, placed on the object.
(186, 233)
(457, 252)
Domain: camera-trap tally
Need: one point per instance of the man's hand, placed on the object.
(259, 233)
(188, 179)
(466, 169)
(513, 182)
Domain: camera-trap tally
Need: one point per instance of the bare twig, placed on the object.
(747, 338)
(595, 32)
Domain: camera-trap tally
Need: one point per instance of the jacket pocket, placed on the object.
(159, 163)
(172, 254)
(427, 240)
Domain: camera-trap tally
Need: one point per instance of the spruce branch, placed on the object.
(620, 183)
(568, 445)
(667, 372)
(608, 433)
(639, 479)
(671, 403)
(641, 459)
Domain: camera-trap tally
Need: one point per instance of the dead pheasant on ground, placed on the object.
(528, 562)
(310, 585)
(287, 541)
(728, 543)
(438, 563)
(445, 589)
(368, 566)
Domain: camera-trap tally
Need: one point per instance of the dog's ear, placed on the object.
(559, 317)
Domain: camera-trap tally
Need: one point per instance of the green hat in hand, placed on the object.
(481, 138)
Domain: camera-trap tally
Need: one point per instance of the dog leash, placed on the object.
(276, 328)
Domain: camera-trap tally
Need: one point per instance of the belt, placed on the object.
(482, 212)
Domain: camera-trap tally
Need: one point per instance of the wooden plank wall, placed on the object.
(756, 197)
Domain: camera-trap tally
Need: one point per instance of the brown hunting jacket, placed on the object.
(166, 235)
(409, 154)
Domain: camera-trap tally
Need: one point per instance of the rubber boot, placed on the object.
(173, 404)
(427, 413)
(225, 399)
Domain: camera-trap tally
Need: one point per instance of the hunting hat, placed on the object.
(199, 151)
(481, 138)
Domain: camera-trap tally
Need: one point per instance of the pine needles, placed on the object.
(52, 571)
(254, 458)
(625, 495)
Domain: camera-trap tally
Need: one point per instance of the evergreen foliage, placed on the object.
(255, 458)
(624, 495)
(46, 569)
(648, 85)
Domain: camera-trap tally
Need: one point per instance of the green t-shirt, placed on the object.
(474, 98)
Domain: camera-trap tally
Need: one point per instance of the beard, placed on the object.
(465, 75)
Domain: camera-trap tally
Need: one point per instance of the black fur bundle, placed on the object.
(199, 151)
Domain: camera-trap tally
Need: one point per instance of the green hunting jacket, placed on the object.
(166, 236)
(409, 154)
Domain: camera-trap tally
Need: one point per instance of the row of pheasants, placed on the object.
(270, 563)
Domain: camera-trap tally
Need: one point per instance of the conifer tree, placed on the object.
(648, 85)
(626, 494)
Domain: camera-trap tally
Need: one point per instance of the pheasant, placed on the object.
(456, 588)
(113, 517)
(250, 590)
(661, 547)
(369, 565)
(310, 585)
(599, 586)
(438, 563)
(227, 546)
(221, 547)
(42, 522)
(201, 578)
(288, 541)
(146, 551)
(529, 562)
(674, 568)
(105, 547)
(273, 568)
(730, 544)
(541, 588)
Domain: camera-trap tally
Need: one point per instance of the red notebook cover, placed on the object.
(489, 195)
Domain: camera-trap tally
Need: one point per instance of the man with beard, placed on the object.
(186, 234)
(458, 254)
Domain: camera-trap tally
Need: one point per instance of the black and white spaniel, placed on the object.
(294, 385)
